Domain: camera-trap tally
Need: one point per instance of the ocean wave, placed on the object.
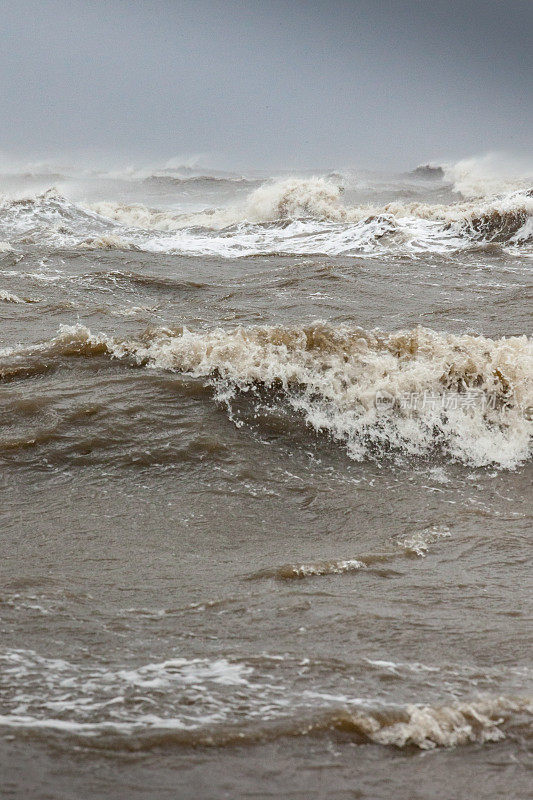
(222, 702)
(107, 242)
(199, 181)
(312, 198)
(414, 725)
(412, 391)
(417, 543)
(285, 200)
(292, 216)
(125, 279)
(7, 297)
(136, 215)
(337, 566)
(479, 176)
(309, 216)
(311, 569)
(49, 219)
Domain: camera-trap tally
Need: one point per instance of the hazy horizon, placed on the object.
(267, 86)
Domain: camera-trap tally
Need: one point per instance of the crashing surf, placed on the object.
(411, 392)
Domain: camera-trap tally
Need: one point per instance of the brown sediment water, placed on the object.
(266, 489)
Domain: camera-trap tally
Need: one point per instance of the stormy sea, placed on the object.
(266, 483)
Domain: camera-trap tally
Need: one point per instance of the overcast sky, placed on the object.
(266, 83)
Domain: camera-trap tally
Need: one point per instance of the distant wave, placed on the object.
(412, 391)
(199, 181)
(488, 175)
(315, 203)
(479, 176)
(290, 216)
(42, 171)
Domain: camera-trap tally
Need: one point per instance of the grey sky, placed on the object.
(266, 84)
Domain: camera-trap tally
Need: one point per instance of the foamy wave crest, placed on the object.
(502, 219)
(411, 391)
(222, 702)
(135, 215)
(428, 726)
(7, 297)
(308, 216)
(334, 378)
(48, 218)
(293, 216)
(107, 242)
(296, 198)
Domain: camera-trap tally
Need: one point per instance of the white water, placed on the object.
(410, 391)
(293, 215)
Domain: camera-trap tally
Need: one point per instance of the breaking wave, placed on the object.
(414, 725)
(292, 216)
(412, 391)
(309, 216)
(314, 198)
(414, 544)
(203, 702)
(8, 297)
(289, 572)
(491, 174)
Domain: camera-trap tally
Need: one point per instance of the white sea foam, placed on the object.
(308, 216)
(418, 542)
(293, 216)
(332, 376)
(7, 297)
(451, 725)
(223, 701)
